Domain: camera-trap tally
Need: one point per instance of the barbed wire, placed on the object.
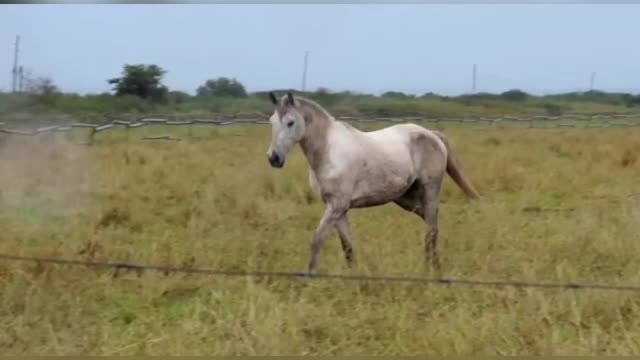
(531, 122)
(319, 276)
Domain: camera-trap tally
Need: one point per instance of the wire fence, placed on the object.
(531, 122)
(167, 270)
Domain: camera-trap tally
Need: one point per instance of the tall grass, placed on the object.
(215, 202)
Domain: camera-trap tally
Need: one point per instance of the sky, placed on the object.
(366, 48)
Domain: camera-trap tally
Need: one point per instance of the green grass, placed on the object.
(214, 202)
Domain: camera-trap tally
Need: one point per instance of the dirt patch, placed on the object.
(47, 172)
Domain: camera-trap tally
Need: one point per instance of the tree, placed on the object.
(515, 95)
(42, 89)
(223, 87)
(41, 86)
(177, 97)
(430, 95)
(323, 91)
(631, 100)
(394, 94)
(144, 81)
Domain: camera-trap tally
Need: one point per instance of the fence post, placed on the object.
(92, 133)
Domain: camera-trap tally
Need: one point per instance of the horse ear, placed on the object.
(290, 101)
(272, 96)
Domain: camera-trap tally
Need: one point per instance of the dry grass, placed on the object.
(215, 203)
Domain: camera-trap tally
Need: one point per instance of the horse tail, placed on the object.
(453, 169)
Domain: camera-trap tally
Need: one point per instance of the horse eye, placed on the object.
(290, 124)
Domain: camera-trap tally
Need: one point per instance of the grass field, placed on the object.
(214, 202)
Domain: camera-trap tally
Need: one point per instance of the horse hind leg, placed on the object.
(412, 200)
(422, 200)
(431, 196)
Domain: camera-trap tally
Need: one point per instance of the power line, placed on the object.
(282, 274)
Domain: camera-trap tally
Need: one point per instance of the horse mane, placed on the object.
(317, 109)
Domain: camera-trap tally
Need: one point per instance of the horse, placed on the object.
(350, 169)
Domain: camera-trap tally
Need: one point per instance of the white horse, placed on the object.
(349, 168)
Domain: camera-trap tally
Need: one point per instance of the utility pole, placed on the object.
(15, 64)
(20, 79)
(473, 80)
(304, 71)
(592, 81)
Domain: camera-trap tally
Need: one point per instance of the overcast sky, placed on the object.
(372, 48)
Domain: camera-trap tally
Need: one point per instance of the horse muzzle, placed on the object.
(276, 160)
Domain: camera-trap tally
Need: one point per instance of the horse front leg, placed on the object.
(345, 239)
(333, 213)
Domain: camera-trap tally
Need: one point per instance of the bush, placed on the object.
(222, 87)
(514, 95)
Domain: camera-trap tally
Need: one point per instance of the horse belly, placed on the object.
(381, 189)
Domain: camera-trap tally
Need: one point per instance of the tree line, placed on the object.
(145, 81)
(140, 88)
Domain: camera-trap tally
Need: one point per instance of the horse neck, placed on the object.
(314, 142)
